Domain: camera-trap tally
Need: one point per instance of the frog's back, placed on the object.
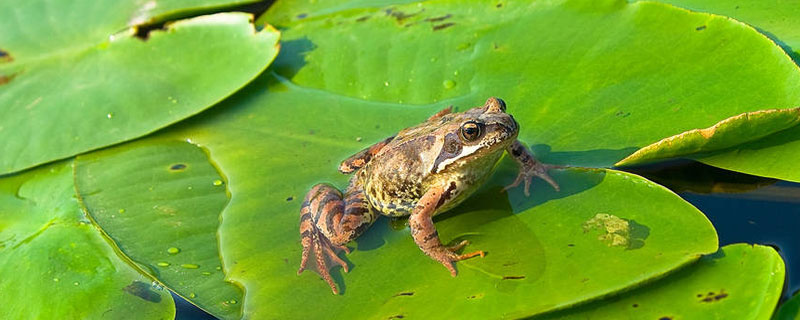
(393, 180)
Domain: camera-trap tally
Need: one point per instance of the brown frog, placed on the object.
(420, 172)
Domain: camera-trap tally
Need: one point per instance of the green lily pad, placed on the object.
(776, 19)
(727, 133)
(789, 310)
(55, 264)
(58, 101)
(596, 80)
(271, 159)
(172, 201)
(739, 282)
(760, 143)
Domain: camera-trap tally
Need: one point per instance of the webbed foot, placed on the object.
(324, 252)
(537, 170)
(447, 255)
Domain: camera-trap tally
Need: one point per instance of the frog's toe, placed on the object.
(448, 257)
(325, 256)
(539, 171)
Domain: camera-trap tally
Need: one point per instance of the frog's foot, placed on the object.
(447, 255)
(325, 254)
(538, 169)
(323, 202)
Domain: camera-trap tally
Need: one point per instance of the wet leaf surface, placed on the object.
(76, 91)
(532, 242)
(55, 263)
(739, 282)
(165, 216)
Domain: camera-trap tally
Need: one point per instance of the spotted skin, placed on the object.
(420, 172)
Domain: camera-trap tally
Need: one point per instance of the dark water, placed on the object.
(743, 208)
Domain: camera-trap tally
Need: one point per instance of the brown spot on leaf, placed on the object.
(290, 198)
(362, 19)
(302, 16)
(442, 26)
(635, 305)
(700, 28)
(665, 318)
(513, 277)
(499, 5)
(404, 294)
(177, 167)
(713, 296)
(399, 316)
(437, 19)
(6, 79)
(5, 57)
(400, 15)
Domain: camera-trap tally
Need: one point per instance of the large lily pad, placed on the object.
(60, 99)
(774, 155)
(271, 159)
(597, 80)
(776, 19)
(173, 199)
(55, 264)
(704, 290)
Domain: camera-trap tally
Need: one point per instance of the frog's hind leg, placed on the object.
(327, 223)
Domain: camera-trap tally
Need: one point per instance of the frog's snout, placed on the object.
(495, 105)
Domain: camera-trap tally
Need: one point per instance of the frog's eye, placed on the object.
(470, 131)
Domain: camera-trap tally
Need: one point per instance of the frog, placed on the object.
(419, 172)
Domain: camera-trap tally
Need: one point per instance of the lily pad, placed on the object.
(760, 143)
(740, 281)
(174, 200)
(271, 159)
(776, 19)
(789, 310)
(60, 99)
(596, 79)
(54, 263)
(727, 133)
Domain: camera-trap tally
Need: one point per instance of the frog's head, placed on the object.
(476, 136)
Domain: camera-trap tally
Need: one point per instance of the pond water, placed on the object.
(743, 208)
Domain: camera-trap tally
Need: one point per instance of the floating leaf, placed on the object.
(55, 264)
(96, 91)
(789, 310)
(588, 82)
(739, 282)
(776, 19)
(727, 133)
(595, 80)
(164, 216)
(532, 242)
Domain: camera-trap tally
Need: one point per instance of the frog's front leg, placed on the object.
(426, 236)
(328, 221)
(529, 167)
